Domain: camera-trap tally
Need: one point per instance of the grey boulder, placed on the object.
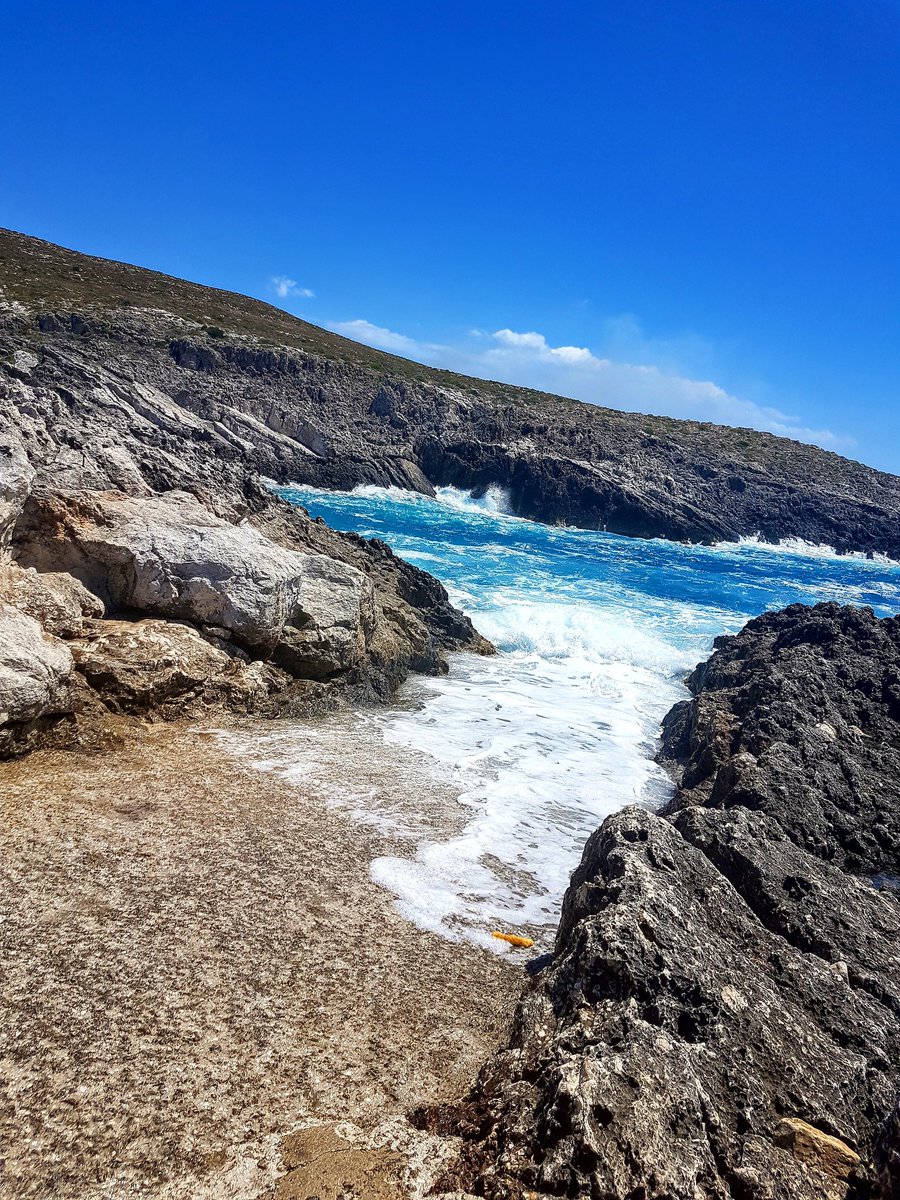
(169, 556)
(163, 668)
(34, 677)
(56, 600)
(16, 476)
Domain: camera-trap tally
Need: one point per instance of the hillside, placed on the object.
(295, 402)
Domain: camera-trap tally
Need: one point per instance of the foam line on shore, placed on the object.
(534, 747)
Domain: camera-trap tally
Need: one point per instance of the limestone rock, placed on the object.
(16, 476)
(169, 556)
(146, 488)
(24, 362)
(163, 669)
(337, 616)
(56, 600)
(34, 679)
(827, 1154)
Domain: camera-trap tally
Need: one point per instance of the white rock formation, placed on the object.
(34, 670)
(168, 556)
(16, 476)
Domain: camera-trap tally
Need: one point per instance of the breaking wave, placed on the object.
(536, 745)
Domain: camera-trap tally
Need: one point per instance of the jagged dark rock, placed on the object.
(230, 382)
(721, 1015)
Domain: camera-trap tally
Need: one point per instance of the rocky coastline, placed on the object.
(720, 1017)
(182, 372)
(142, 573)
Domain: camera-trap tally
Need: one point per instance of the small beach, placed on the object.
(196, 964)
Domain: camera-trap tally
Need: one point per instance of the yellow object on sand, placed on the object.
(513, 939)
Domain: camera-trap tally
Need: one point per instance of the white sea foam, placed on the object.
(542, 743)
(798, 546)
(495, 501)
(483, 785)
(374, 491)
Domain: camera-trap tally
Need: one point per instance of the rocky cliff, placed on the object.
(720, 1017)
(245, 384)
(145, 569)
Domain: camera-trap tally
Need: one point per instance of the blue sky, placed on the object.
(682, 207)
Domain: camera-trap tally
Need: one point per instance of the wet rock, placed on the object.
(721, 1017)
(321, 1163)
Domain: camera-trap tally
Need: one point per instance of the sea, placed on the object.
(488, 780)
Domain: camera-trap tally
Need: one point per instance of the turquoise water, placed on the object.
(538, 744)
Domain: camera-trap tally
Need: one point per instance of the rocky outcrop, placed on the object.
(16, 475)
(245, 621)
(165, 669)
(140, 373)
(120, 504)
(171, 557)
(35, 672)
(721, 1014)
(55, 599)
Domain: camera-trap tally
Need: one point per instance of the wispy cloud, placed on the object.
(283, 287)
(387, 339)
(624, 339)
(529, 360)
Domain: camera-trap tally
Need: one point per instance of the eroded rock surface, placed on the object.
(166, 669)
(721, 1016)
(118, 503)
(229, 382)
(244, 620)
(35, 671)
(169, 556)
(16, 475)
(55, 599)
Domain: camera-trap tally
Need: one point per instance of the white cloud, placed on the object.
(387, 339)
(376, 335)
(284, 287)
(572, 354)
(537, 343)
(624, 339)
(528, 360)
(533, 341)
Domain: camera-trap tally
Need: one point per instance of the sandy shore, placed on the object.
(195, 965)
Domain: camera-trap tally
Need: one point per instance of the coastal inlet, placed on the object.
(492, 777)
